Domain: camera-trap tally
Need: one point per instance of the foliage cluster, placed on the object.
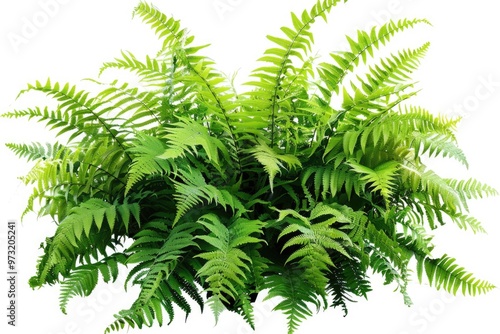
(302, 186)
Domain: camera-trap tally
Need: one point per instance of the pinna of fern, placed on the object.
(302, 186)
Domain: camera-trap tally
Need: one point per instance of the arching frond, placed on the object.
(465, 222)
(84, 225)
(361, 49)
(151, 71)
(83, 279)
(168, 29)
(158, 254)
(279, 60)
(444, 273)
(35, 151)
(85, 111)
(140, 109)
(439, 191)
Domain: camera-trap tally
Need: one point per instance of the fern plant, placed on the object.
(300, 187)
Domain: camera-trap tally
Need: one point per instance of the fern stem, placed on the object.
(223, 110)
(105, 171)
(274, 98)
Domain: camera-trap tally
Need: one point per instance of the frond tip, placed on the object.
(444, 273)
(35, 151)
(273, 161)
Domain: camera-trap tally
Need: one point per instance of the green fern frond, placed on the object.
(330, 180)
(426, 211)
(147, 161)
(311, 240)
(243, 306)
(359, 107)
(345, 62)
(227, 266)
(273, 161)
(131, 106)
(387, 246)
(414, 237)
(346, 279)
(472, 188)
(80, 172)
(140, 316)
(399, 127)
(54, 119)
(444, 273)
(191, 189)
(438, 190)
(168, 29)
(91, 214)
(79, 228)
(217, 306)
(437, 145)
(185, 137)
(296, 296)
(36, 151)
(382, 178)
(467, 222)
(85, 115)
(158, 252)
(394, 70)
(381, 264)
(279, 60)
(83, 279)
(213, 92)
(258, 269)
(81, 283)
(389, 258)
(425, 121)
(151, 71)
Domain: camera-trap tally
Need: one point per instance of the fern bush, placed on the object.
(300, 187)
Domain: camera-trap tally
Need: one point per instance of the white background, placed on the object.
(460, 76)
